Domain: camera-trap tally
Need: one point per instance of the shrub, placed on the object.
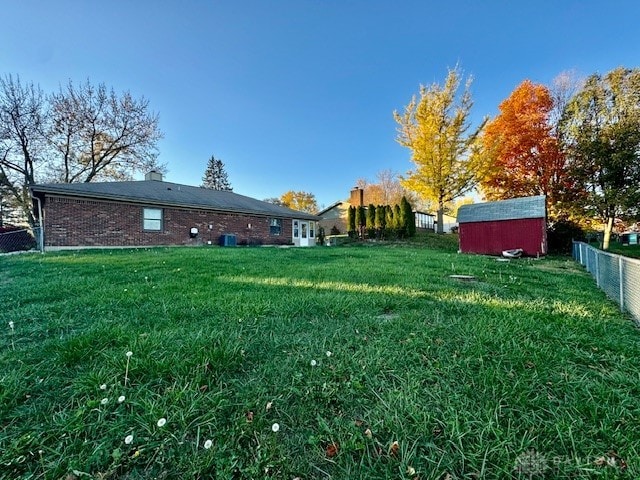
(560, 235)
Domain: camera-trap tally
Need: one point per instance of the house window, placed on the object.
(296, 231)
(152, 219)
(275, 226)
(311, 229)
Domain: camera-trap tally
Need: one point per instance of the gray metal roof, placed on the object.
(512, 209)
(153, 192)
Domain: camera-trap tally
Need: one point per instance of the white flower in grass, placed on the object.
(275, 427)
(121, 398)
(103, 386)
(129, 354)
(207, 444)
(329, 353)
(128, 439)
(11, 325)
(104, 401)
(162, 422)
(313, 363)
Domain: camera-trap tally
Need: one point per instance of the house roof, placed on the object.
(512, 209)
(330, 207)
(154, 192)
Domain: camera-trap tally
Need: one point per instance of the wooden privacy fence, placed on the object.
(618, 276)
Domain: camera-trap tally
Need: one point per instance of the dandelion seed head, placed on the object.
(103, 386)
(104, 401)
(275, 427)
(329, 353)
(162, 422)
(208, 444)
(313, 363)
(129, 353)
(128, 439)
(11, 325)
(121, 398)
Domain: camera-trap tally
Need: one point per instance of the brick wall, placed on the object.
(80, 222)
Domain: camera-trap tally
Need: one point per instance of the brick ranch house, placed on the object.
(154, 213)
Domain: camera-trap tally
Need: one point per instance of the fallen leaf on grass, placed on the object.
(249, 416)
(331, 450)
(611, 459)
(393, 449)
(269, 405)
(368, 433)
(359, 422)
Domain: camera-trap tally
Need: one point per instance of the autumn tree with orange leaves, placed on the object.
(522, 153)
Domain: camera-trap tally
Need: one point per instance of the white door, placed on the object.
(304, 234)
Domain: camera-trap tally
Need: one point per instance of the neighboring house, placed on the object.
(492, 227)
(449, 223)
(153, 212)
(334, 218)
(336, 215)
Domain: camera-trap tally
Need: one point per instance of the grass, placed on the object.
(527, 372)
(632, 251)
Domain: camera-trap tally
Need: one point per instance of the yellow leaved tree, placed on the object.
(435, 128)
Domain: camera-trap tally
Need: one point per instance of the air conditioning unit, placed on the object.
(227, 240)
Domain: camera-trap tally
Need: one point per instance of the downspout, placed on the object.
(41, 232)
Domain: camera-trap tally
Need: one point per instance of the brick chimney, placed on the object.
(356, 198)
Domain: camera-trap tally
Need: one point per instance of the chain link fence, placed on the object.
(618, 276)
(20, 239)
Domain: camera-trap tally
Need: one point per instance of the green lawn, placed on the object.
(632, 251)
(372, 362)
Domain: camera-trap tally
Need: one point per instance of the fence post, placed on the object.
(597, 269)
(621, 276)
(586, 263)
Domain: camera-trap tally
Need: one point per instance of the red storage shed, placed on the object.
(492, 227)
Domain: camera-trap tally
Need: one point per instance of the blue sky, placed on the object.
(299, 94)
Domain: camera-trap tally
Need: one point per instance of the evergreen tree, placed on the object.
(361, 220)
(389, 220)
(380, 220)
(408, 219)
(215, 176)
(351, 221)
(371, 220)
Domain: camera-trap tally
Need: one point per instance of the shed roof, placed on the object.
(153, 192)
(512, 209)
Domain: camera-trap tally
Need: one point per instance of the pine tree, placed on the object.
(408, 220)
(351, 221)
(371, 220)
(361, 220)
(215, 176)
(390, 221)
(380, 220)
